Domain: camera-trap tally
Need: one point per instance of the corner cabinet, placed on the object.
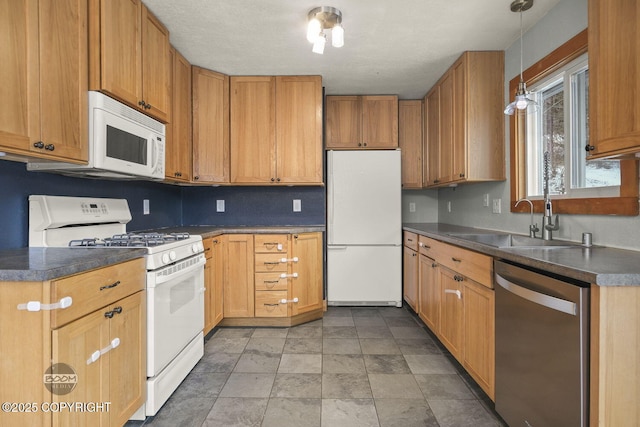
(464, 122)
(280, 283)
(614, 74)
(361, 122)
(276, 130)
(130, 56)
(456, 301)
(101, 335)
(44, 69)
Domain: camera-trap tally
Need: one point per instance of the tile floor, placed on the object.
(356, 367)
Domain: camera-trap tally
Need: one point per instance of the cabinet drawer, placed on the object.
(472, 264)
(410, 240)
(271, 262)
(95, 289)
(429, 247)
(271, 243)
(271, 282)
(268, 304)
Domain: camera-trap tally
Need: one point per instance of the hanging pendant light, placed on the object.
(321, 19)
(522, 101)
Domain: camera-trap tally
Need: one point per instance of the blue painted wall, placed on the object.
(170, 205)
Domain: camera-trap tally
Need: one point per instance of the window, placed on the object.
(559, 131)
(559, 83)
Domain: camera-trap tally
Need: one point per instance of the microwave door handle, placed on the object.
(156, 148)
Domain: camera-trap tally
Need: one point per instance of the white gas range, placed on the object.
(175, 280)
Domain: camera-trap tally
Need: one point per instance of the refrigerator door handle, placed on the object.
(337, 248)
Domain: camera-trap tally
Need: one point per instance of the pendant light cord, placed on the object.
(521, 46)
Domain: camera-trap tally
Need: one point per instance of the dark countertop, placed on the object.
(600, 265)
(40, 264)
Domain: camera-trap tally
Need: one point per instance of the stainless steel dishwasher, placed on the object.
(542, 343)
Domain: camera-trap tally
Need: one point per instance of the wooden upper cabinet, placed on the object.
(210, 126)
(299, 151)
(410, 142)
(44, 114)
(130, 56)
(276, 130)
(469, 133)
(178, 149)
(614, 78)
(253, 138)
(362, 122)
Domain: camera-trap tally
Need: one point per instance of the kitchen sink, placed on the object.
(515, 241)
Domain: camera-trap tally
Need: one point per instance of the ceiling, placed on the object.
(391, 47)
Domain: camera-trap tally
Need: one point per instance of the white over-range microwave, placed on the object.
(123, 143)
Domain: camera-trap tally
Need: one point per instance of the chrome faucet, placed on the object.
(548, 226)
(533, 228)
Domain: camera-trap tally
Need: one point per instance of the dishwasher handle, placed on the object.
(548, 301)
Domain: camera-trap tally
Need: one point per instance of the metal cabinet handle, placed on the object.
(458, 278)
(113, 285)
(456, 259)
(38, 144)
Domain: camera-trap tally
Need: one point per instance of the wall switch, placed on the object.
(219, 205)
(449, 206)
(297, 205)
(485, 200)
(145, 207)
(412, 207)
(497, 206)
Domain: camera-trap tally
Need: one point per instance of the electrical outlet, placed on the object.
(412, 207)
(219, 205)
(145, 207)
(297, 205)
(497, 206)
(449, 206)
(485, 200)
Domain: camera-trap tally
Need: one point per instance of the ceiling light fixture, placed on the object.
(324, 18)
(522, 101)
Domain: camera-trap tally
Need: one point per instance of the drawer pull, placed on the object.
(113, 285)
(96, 354)
(285, 301)
(456, 259)
(270, 245)
(454, 291)
(285, 275)
(37, 305)
(271, 262)
(294, 259)
(272, 305)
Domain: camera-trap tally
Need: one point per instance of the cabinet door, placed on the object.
(307, 286)
(156, 66)
(19, 72)
(431, 170)
(218, 263)
(253, 127)
(344, 122)
(73, 345)
(239, 283)
(208, 287)
(410, 277)
(614, 74)
(410, 142)
(459, 124)
(299, 129)
(451, 311)
(127, 362)
(210, 126)
(479, 335)
(178, 149)
(380, 121)
(445, 151)
(120, 62)
(429, 293)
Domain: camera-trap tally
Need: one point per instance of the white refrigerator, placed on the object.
(364, 228)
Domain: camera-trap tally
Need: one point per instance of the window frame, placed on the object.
(624, 204)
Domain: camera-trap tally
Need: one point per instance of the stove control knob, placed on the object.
(165, 258)
(173, 255)
(195, 248)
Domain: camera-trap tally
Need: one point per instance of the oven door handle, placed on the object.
(161, 277)
(548, 301)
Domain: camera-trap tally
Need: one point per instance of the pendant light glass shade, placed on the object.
(318, 45)
(337, 36)
(313, 30)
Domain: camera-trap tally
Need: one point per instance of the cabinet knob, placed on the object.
(195, 178)
(359, 144)
(50, 147)
(141, 103)
(589, 148)
(273, 179)
(461, 175)
(38, 144)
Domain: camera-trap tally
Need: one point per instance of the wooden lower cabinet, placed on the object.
(410, 277)
(214, 249)
(459, 306)
(282, 274)
(114, 333)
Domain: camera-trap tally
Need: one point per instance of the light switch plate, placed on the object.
(412, 207)
(297, 205)
(219, 205)
(145, 207)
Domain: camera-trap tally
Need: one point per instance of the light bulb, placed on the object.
(337, 36)
(313, 30)
(318, 45)
(521, 102)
